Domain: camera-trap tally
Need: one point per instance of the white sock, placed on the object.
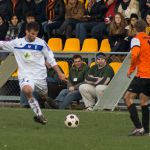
(35, 106)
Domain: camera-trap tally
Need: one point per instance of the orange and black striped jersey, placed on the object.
(140, 55)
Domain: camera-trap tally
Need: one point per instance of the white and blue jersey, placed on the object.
(30, 57)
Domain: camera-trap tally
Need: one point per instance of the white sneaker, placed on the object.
(89, 108)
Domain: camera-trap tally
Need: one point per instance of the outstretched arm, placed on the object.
(7, 45)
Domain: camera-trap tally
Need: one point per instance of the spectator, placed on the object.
(5, 10)
(13, 29)
(74, 14)
(127, 7)
(3, 31)
(130, 28)
(117, 33)
(3, 28)
(102, 28)
(95, 13)
(56, 14)
(27, 6)
(16, 8)
(97, 80)
(40, 7)
(77, 75)
(30, 17)
(144, 7)
(148, 23)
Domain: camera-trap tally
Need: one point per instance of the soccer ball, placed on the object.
(71, 121)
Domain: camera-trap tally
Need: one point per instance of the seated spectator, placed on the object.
(144, 7)
(56, 14)
(30, 17)
(13, 29)
(97, 81)
(16, 8)
(127, 7)
(21, 7)
(27, 6)
(130, 28)
(101, 30)
(77, 75)
(5, 10)
(117, 33)
(95, 13)
(3, 31)
(40, 10)
(3, 28)
(147, 19)
(74, 14)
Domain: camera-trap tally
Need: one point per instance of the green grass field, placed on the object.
(97, 131)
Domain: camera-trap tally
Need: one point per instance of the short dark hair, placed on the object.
(140, 26)
(30, 14)
(77, 56)
(32, 26)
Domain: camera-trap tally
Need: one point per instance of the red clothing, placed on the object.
(111, 10)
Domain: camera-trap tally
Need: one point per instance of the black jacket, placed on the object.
(59, 10)
(143, 8)
(3, 30)
(98, 11)
(5, 9)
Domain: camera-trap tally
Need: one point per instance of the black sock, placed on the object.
(145, 118)
(134, 116)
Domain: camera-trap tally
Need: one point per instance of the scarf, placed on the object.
(50, 9)
(125, 5)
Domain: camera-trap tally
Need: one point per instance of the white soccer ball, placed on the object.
(71, 121)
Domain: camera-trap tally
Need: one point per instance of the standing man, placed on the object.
(140, 59)
(97, 81)
(31, 53)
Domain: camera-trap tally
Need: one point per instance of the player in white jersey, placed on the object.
(31, 53)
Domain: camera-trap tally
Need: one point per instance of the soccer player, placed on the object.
(31, 53)
(140, 60)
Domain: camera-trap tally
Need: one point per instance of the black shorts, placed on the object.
(140, 85)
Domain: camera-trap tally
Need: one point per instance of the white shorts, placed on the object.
(39, 86)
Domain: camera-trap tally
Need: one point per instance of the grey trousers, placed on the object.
(90, 93)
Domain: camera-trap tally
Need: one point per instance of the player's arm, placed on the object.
(7, 45)
(51, 60)
(135, 50)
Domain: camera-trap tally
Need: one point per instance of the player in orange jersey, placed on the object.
(140, 60)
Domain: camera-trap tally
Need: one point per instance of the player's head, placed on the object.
(140, 26)
(101, 59)
(77, 61)
(32, 30)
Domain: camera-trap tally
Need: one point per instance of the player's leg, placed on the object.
(145, 112)
(27, 86)
(144, 97)
(129, 97)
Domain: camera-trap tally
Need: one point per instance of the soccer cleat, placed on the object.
(137, 132)
(40, 119)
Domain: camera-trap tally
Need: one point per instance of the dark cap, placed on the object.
(100, 55)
